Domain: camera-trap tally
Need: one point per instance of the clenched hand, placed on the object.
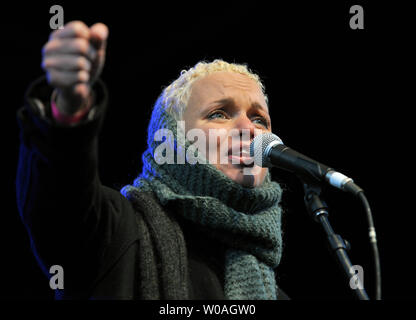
(73, 59)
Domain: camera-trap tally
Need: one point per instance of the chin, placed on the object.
(249, 181)
(241, 176)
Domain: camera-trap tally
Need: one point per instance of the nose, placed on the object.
(243, 123)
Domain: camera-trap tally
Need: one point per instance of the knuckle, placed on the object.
(77, 25)
(81, 63)
(81, 46)
(50, 46)
(45, 48)
(80, 29)
(82, 76)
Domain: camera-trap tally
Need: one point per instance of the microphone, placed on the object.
(269, 151)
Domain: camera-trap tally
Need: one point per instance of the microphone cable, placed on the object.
(373, 242)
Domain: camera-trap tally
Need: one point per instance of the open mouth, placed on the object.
(241, 156)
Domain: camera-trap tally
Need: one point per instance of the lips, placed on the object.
(241, 155)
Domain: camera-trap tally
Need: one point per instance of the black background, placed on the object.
(341, 96)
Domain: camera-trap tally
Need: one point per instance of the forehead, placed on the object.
(226, 84)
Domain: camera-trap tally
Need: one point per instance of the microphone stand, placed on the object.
(318, 210)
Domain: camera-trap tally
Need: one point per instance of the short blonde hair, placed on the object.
(175, 97)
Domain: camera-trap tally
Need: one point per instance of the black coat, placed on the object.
(87, 228)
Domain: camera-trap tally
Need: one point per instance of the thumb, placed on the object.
(98, 39)
(99, 35)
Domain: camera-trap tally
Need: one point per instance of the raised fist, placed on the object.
(73, 59)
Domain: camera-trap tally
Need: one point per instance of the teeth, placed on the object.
(242, 154)
(245, 152)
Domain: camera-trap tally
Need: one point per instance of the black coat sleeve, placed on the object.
(71, 218)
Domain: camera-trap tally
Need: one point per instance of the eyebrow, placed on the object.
(231, 101)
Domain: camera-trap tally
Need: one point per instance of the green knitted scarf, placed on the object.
(246, 220)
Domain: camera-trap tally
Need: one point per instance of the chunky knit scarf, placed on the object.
(246, 220)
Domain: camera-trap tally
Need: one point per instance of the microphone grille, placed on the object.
(259, 148)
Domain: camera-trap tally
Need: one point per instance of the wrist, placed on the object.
(71, 118)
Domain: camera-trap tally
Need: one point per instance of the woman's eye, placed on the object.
(217, 115)
(261, 121)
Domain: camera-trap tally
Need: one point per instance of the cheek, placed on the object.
(263, 174)
(189, 122)
(216, 147)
